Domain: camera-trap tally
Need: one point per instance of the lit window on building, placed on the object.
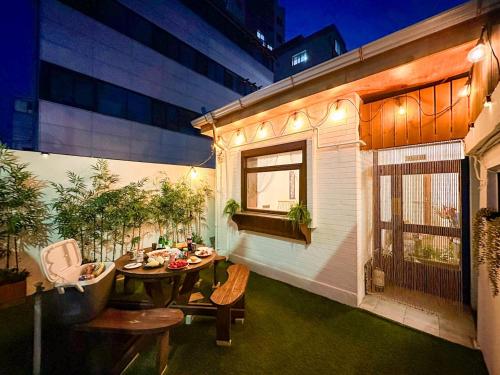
(338, 51)
(299, 58)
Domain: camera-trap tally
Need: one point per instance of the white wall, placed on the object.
(486, 126)
(332, 264)
(54, 168)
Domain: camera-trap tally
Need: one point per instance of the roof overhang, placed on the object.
(423, 53)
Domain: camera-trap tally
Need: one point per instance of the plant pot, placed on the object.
(12, 293)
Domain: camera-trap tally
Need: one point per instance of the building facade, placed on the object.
(301, 53)
(121, 79)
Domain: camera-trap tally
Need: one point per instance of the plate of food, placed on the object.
(165, 253)
(154, 262)
(178, 264)
(203, 251)
(131, 266)
(193, 259)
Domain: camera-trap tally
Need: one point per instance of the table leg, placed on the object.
(187, 287)
(163, 349)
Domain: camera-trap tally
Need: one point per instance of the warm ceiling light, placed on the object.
(338, 113)
(240, 137)
(487, 101)
(465, 91)
(297, 121)
(401, 110)
(262, 131)
(478, 53)
(193, 173)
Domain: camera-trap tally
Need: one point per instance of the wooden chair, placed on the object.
(230, 302)
(142, 326)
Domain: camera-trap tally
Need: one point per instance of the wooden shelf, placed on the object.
(276, 225)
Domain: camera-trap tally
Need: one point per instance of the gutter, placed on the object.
(442, 21)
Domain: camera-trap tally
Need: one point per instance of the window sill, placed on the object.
(276, 225)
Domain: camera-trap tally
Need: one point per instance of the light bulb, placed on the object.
(487, 102)
(338, 113)
(240, 138)
(193, 173)
(464, 91)
(401, 110)
(262, 131)
(297, 122)
(477, 53)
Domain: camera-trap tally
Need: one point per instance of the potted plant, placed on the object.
(231, 208)
(301, 219)
(22, 222)
(486, 245)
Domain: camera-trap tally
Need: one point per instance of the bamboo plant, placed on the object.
(23, 213)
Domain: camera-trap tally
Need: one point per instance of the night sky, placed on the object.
(359, 21)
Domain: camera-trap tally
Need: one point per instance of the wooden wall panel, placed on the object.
(413, 117)
(365, 126)
(422, 121)
(401, 136)
(388, 112)
(459, 120)
(443, 111)
(376, 116)
(428, 119)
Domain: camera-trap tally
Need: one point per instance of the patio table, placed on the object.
(153, 277)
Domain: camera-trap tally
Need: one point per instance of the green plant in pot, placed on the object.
(231, 208)
(300, 217)
(22, 221)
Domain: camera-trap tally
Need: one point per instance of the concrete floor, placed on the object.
(430, 314)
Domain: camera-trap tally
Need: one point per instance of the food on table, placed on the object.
(177, 264)
(154, 261)
(181, 245)
(92, 270)
(193, 259)
(204, 252)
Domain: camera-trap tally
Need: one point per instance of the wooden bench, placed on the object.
(142, 326)
(228, 296)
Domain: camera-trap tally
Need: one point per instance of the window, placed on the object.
(299, 58)
(64, 86)
(338, 50)
(261, 36)
(138, 108)
(111, 100)
(274, 178)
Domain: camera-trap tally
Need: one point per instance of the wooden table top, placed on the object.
(160, 272)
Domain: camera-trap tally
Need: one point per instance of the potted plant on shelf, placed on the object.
(231, 208)
(22, 222)
(301, 219)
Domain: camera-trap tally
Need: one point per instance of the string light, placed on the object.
(240, 137)
(487, 101)
(297, 121)
(262, 131)
(478, 53)
(338, 113)
(401, 107)
(193, 173)
(465, 91)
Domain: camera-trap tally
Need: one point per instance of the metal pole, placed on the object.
(37, 336)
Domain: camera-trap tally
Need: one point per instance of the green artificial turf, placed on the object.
(287, 331)
(290, 331)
